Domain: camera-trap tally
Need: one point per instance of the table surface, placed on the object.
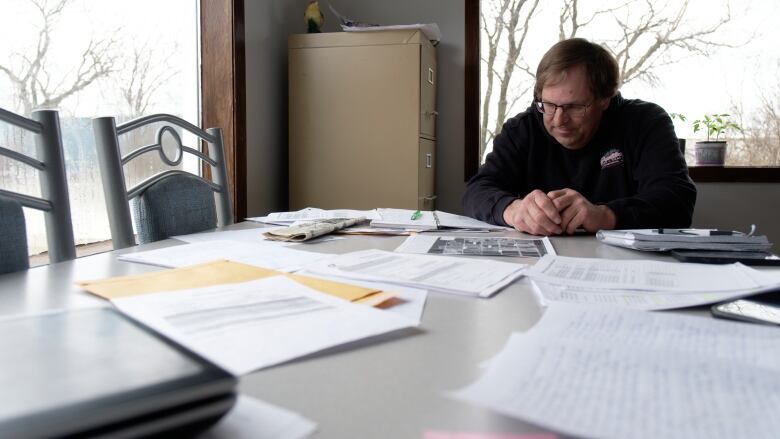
(393, 386)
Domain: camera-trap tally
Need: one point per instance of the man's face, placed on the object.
(571, 130)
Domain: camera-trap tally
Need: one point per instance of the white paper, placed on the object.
(267, 256)
(430, 30)
(466, 276)
(312, 214)
(403, 218)
(644, 275)
(477, 246)
(450, 220)
(429, 220)
(611, 373)
(252, 418)
(644, 300)
(248, 326)
(254, 236)
(412, 300)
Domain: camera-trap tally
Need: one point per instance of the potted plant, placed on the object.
(712, 152)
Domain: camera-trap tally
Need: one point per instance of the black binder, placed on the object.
(94, 372)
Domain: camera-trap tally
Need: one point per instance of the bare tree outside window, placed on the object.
(36, 82)
(653, 41)
(90, 58)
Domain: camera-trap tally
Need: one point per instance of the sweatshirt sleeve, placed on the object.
(497, 182)
(665, 193)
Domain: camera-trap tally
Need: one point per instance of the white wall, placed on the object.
(268, 22)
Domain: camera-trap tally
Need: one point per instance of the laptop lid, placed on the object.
(94, 371)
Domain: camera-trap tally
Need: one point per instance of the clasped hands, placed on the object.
(557, 212)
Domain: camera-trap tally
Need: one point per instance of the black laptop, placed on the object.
(96, 373)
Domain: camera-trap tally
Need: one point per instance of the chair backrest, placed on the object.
(169, 202)
(54, 201)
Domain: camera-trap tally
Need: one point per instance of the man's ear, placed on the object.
(603, 103)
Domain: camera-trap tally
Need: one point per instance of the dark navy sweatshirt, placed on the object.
(633, 165)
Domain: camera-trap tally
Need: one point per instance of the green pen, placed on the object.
(416, 215)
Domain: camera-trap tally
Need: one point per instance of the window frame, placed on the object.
(702, 174)
(223, 88)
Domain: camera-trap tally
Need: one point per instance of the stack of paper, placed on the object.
(313, 214)
(690, 239)
(428, 220)
(384, 219)
(464, 276)
(641, 284)
(611, 373)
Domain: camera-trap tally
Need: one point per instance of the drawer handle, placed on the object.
(431, 113)
(429, 160)
(430, 75)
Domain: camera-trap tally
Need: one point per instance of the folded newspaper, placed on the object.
(688, 239)
(310, 230)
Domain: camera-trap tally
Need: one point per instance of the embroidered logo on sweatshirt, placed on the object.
(611, 158)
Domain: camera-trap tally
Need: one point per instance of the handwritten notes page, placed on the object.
(645, 275)
(613, 373)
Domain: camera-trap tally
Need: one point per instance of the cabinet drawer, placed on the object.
(428, 79)
(426, 175)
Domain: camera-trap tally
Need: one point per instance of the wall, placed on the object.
(735, 206)
(268, 22)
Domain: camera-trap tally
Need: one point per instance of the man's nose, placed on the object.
(559, 116)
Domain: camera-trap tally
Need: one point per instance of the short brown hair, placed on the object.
(601, 68)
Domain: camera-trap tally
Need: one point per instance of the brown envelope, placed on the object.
(221, 272)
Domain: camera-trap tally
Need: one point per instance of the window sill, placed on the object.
(735, 174)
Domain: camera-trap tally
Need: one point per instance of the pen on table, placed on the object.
(416, 215)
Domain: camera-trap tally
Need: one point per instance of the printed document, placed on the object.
(612, 373)
(252, 325)
(465, 276)
(646, 275)
(277, 258)
(477, 246)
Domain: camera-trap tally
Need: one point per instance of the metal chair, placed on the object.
(54, 201)
(171, 202)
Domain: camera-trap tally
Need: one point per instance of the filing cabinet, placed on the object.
(362, 120)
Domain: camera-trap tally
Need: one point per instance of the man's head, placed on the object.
(574, 82)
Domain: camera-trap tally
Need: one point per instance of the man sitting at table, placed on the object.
(583, 157)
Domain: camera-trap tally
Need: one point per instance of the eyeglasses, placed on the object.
(573, 110)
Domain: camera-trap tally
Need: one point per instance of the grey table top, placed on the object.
(391, 387)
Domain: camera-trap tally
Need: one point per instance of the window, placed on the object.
(89, 58)
(690, 57)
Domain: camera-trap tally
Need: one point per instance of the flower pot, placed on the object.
(710, 153)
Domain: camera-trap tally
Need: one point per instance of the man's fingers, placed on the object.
(544, 204)
(577, 221)
(539, 222)
(557, 194)
(566, 216)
